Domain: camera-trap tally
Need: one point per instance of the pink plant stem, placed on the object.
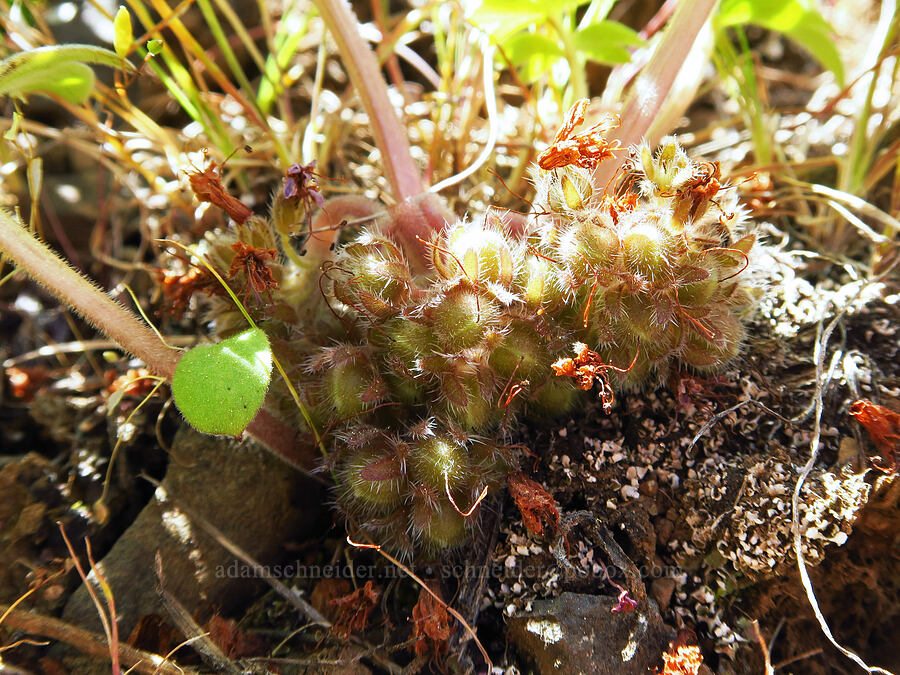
(653, 84)
(283, 440)
(362, 66)
(326, 224)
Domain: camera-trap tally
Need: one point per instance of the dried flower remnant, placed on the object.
(431, 624)
(354, 610)
(135, 382)
(254, 263)
(537, 506)
(207, 185)
(25, 381)
(585, 150)
(883, 425)
(588, 367)
(702, 186)
(300, 182)
(178, 288)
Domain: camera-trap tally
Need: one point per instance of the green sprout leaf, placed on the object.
(533, 54)
(794, 18)
(58, 69)
(122, 36)
(219, 388)
(155, 47)
(502, 18)
(607, 42)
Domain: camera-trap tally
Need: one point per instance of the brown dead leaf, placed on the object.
(431, 624)
(537, 506)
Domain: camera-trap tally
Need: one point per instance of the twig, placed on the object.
(762, 646)
(88, 642)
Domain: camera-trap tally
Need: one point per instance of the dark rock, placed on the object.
(579, 634)
(242, 490)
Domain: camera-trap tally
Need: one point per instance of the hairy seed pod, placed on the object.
(480, 252)
(438, 526)
(352, 386)
(436, 459)
(461, 318)
(645, 249)
(373, 479)
(588, 246)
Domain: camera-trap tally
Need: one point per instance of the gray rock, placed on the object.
(239, 488)
(576, 634)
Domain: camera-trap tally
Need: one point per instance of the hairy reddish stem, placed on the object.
(126, 329)
(86, 298)
(362, 66)
(283, 440)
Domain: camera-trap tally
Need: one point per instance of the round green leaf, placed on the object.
(219, 388)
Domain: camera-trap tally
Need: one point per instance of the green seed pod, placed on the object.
(522, 353)
(537, 286)
(491, 464)
(696, 293)
(434, 458)
(481, 253)
(439, 526)
(461, 317)
(351, 387)
(723, 344)
(639, 317)
(556, 397)
(408, 341)
(645, 249)
(588, 246)
(373, 480)
(468, 403)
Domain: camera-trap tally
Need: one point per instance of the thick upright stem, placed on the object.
(652, 87)
(82, 295)
(362, 66)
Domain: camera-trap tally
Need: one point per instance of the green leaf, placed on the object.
(59, 69)
(219, 388)
(122, 35)
(502, 18)
(606, 42)
(795, 19)
(154, 47)
(532, 54)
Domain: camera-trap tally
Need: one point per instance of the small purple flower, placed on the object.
(300, 182)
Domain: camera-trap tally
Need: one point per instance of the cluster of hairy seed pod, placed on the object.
(435, 347)
(652, 278)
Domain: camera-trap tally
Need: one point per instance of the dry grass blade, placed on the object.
(109, 621)
(823, 337)
(307, 610)
(207, 649)
(456, 615)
